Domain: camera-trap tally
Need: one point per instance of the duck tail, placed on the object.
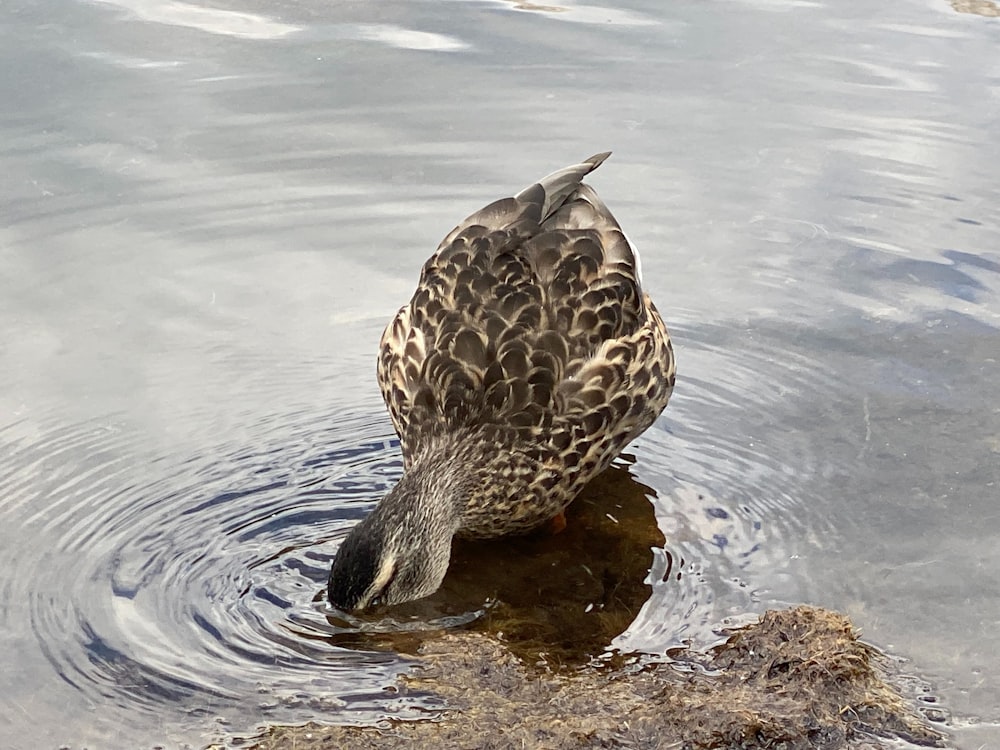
(550, 192)
(532, 206)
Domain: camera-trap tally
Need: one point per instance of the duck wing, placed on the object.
(530, 315)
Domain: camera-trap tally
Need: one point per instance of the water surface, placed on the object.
(211, 211)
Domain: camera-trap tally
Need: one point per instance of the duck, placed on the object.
(527, 359)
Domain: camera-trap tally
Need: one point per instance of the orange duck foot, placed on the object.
(556, 524)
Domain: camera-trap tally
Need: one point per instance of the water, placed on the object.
(209, 212)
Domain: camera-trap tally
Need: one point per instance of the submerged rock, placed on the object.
(797, 679)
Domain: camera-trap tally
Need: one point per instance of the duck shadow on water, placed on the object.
(561, 598)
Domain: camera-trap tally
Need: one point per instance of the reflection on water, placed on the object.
(198, 581)
(211, 20)
(175, 591)
(211, 209)
(986, 8)
(584, 13)
(562, 598)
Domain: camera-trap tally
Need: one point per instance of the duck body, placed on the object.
(527, 359)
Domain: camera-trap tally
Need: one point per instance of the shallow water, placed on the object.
(211, 211)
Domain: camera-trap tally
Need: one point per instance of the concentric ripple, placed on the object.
(732, 479)
(176, 593)
(185, 590)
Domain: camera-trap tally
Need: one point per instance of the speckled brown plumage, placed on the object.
(527, 359)
(530, 337)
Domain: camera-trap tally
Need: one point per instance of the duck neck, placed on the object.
(430, 492)
(430, 497)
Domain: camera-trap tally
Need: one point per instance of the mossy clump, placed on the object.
(798, 679)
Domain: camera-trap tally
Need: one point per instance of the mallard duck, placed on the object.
(528, 358)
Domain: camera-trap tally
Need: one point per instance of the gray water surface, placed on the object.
(209, 212)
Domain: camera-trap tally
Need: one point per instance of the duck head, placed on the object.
(399, 552)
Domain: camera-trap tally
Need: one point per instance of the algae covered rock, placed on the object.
(797, 679)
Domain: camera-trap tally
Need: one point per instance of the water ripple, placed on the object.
(181, 589)
(197, 580)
